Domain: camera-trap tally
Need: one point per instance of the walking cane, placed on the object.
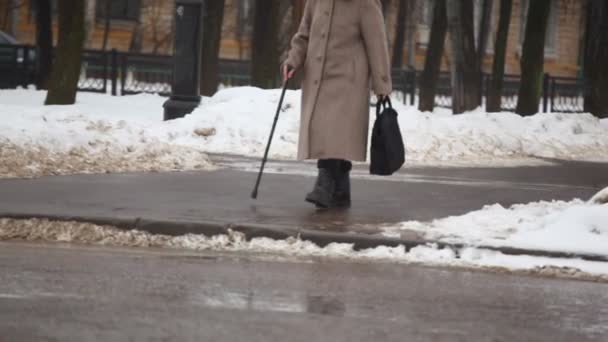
(254, 194)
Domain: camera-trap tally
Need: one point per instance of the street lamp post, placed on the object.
(185, 94)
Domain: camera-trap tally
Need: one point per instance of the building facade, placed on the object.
(147, 26)
(563, 46)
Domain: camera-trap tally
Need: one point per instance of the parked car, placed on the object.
(15, 69)
(5, 38)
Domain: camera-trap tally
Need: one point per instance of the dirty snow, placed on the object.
(600, 198)
(106, 131)
(574, 227)
(84, 233)
(99, 134)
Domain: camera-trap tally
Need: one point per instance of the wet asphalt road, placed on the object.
(68, 293)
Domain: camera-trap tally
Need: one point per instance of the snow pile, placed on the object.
(574, 227)
(84, 233)
(600, 198)
(100, 132)
(242, 118)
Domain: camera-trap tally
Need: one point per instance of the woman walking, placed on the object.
(339, 46)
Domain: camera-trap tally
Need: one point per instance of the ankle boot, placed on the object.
(325, 186)
(341, 198)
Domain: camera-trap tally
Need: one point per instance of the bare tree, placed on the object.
(493, 103)
(154, 24)
(465, 71)
(533, 57)
(210, 73)
(137, 36)
(298, 12)
(265, 55)
(44, 43)
(244, 14)
(596, 55)
(107, 13)
(89, 19)
(411, 32)
(7, 11)
(434, 52)
(399, 40)
(385, 5)
(484, 30)
(66, 67)
(286, 28)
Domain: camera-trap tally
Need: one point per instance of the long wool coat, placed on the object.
(339, 45)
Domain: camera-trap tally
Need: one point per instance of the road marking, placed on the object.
(38, 295)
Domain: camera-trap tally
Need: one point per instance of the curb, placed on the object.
(277, 232)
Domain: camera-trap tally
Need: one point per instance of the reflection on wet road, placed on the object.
(68, 293)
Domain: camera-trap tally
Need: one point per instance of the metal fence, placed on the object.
(121, 73)
(117, 73)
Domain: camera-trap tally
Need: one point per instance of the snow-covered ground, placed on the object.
(102, 133)
(99, 134)
(572, 227)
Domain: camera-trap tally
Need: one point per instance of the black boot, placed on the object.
(341, 198)
(325, 186)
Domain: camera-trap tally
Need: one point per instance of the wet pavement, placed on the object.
(67, 293)
(223, 196)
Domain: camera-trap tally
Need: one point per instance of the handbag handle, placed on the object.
(383, 104)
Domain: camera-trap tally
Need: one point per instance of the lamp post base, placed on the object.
(176, 108)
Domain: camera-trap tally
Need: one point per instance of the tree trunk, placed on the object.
(466, 79)
(296, 18)
(106, 29)
(493, 103)
(286, 26)
(432, 63)
(533, 57)
(399, 41)
(66, 67)
(596, 55)
(410, 30)
(137, 37)
(385, 6)
(210, 64)
(5, 12)
(298, 13)
(44, 43)
(484, 30)
(89, 19)
(265, 53)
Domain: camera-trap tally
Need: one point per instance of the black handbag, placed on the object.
(387, 149)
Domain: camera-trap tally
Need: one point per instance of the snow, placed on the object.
(573, 227)
(600, 198)
(127, 133)
(83, 233)
(99, 133)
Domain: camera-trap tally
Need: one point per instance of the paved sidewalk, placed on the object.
(209, 202)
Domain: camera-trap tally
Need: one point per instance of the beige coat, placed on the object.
(339, 45)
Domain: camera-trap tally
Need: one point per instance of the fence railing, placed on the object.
(122, 73)
(117, 73)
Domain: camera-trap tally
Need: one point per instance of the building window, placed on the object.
(119, 9)
(551, 36)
